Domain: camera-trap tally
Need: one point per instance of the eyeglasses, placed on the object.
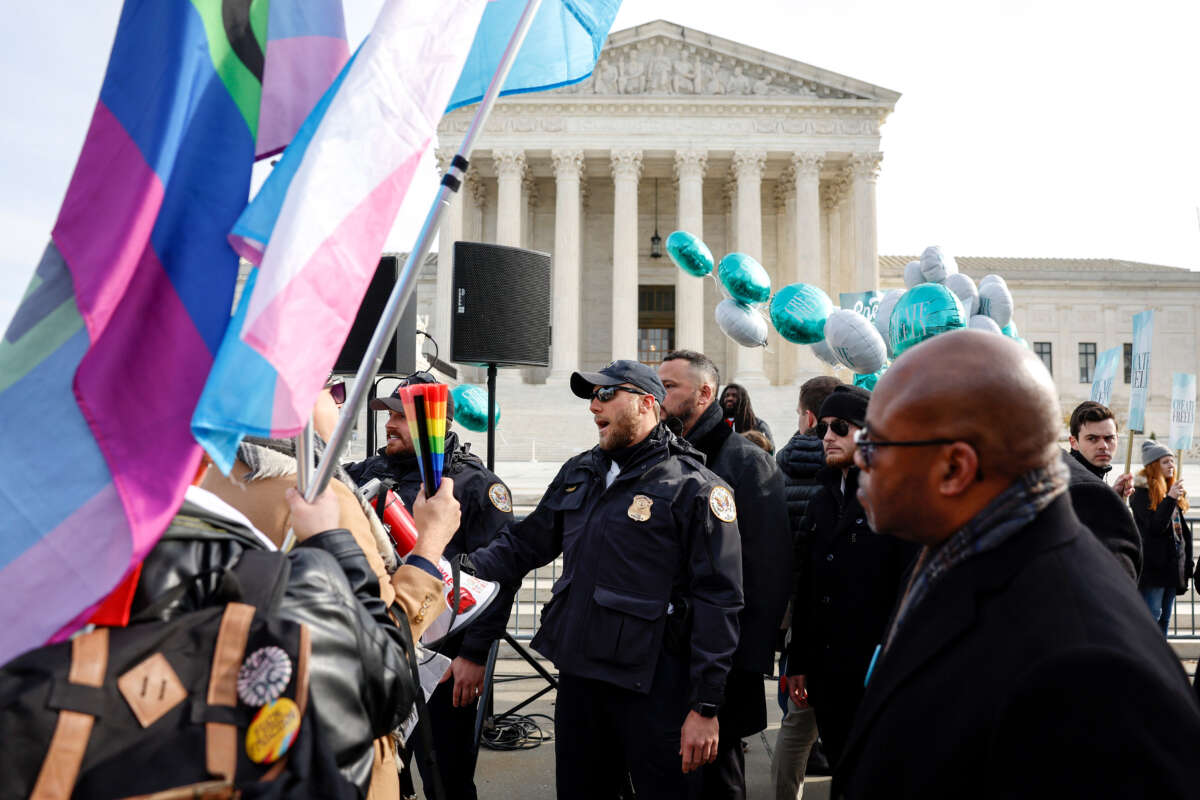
(606, 393)
(866, 446)
(337, 390)
(840, 428)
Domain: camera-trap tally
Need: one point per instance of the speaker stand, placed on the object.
(485, 705)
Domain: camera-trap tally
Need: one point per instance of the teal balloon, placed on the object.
(1010, 330)
(689, 253)
(470, 407)
(745, 278)
(924, 311)
(869, 380)
(798, 312)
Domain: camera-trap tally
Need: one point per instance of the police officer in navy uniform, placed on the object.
(486, 509)
(643, 622)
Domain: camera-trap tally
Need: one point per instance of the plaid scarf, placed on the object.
(1009, 512)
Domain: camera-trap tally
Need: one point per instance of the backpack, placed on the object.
(212, 704)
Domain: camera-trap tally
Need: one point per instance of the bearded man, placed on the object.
(848, 581)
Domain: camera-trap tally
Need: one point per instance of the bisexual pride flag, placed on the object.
(103, 362)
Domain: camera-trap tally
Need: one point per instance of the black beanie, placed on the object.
(848, 403)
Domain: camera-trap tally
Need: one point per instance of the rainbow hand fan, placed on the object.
(425, 410)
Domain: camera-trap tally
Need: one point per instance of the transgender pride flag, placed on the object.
(318, 225)
(102, 364)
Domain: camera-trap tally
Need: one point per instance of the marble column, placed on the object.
(626, 170)
(450, 232)
(748, 168)
(864, 169)
(845, 279)
(833, 239)
(781, 352)
(690, 166)
(564, 352)
(510, 172)
(529, 204)
(806, 252)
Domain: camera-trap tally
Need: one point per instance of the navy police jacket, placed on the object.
(664, 533)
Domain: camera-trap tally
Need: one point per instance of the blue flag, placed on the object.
(561, 47)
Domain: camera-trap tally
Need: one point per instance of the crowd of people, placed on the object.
(955, 605)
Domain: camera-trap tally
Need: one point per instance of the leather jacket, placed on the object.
(361, 684)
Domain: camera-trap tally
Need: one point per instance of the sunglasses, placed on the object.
(337, 390)
(865, 446)
(606, 393)
(840, 428)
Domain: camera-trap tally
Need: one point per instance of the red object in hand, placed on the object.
(399, 522)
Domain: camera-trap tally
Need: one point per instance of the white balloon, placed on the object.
(981, 323)
(964, 288)
(992, 278)
(823, 351)
(937, 265)
(742, 323)
(996, 301)
(912, 274)
(855, 341)
(884, 316)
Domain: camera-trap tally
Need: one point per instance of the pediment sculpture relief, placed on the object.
(665, 67)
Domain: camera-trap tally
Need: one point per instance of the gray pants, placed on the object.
(797, 734)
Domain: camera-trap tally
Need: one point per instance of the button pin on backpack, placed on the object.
(263, 676)
(151, 689)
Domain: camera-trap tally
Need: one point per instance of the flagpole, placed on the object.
(407, 281)
(304, 470)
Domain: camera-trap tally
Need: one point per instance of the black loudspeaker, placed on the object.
(399, 360)
(501, 305)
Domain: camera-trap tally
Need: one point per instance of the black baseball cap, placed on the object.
(618, 372)
(393, 402)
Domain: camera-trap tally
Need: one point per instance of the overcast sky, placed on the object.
(1051, 128)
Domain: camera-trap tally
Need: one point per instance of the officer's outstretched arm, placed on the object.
(715, 566)
(523, 546)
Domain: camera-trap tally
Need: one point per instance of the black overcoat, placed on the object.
(1032, 669)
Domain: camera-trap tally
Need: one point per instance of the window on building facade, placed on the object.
(1087, 361)
(656, 323)
(1128, 350)
(1043, 351)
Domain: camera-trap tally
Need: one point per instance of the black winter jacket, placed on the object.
(1102, 512)
(1162, 558)
(651, 538)
(757, 486)
(800, 460)
(360, 678)
(486, 509)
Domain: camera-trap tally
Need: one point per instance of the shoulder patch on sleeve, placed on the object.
(500, 498)
(720, 502)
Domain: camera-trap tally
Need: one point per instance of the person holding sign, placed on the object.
(1093, 443)
(1159, 503)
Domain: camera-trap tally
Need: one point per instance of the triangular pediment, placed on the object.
(662, 59)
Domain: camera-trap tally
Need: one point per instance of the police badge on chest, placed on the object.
(639, 509)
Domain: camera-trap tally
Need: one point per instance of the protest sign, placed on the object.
(1104, 374)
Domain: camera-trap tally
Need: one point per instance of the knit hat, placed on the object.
(1152, 451)
(848, 403)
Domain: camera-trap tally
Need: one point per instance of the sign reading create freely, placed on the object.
(1105, 373)
(865, 303)
(1139, 373)
(1183, 410)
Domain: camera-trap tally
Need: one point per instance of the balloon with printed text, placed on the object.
(690, 254)
(922, 313)
(798, 312)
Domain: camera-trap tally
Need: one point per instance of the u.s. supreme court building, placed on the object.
(753, 152)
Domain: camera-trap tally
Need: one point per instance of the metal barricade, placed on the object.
(1183, 623)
